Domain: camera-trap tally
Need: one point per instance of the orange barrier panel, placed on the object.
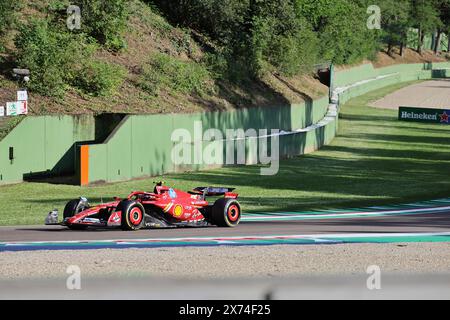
(84, 165)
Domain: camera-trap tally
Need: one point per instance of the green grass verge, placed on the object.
(375, 160)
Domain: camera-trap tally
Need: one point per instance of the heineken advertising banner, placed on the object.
(424, 115)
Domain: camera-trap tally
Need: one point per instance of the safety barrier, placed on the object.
(142, 145)
(43, 145)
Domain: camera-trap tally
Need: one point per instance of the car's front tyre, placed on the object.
(72, 208)
(133, 214)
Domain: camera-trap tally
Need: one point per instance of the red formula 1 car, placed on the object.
(164, 207)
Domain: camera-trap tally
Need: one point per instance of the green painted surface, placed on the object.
(403, 72)
(346, 77)
(428, 43)
(419, 208)
(142, 145)
(43, 145)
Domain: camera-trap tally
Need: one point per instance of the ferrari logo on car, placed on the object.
(178, 211)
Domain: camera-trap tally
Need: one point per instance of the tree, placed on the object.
(281, 38)
(443, 7)
(254, 35)
(342, 30)
(424, 16)
(221, 20)
(395, 23)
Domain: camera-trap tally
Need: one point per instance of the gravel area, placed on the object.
(231, 262)
(429, 94)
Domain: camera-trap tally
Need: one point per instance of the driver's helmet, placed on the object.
(172, 193)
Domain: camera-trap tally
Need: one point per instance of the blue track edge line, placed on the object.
(236, 243)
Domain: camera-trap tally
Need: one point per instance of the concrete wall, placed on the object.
(383, 77)
(428, 41)
(407, 72)
(138, 146)
(43, 145)
(142, 145)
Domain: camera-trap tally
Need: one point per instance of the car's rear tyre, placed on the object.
(72, 208)
(226, 213)
(133, 214)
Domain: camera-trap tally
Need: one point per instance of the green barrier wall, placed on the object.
(133, 151)
(138, 146)
(428, 41)
(407, 72)
(142, 145)
(43, 145)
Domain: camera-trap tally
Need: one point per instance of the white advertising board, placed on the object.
(16, 108)
(22, 95)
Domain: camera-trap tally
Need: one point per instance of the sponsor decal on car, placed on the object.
(178, 211)
(167, 208)
(115, 217)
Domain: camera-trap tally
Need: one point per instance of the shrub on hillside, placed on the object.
(105, 21)
(59, 60)
(281, 39)
(254, 36)
(220, 20)
(287, 35)
(8, 9)
(53, 56)
(169, 73)
(99, 78)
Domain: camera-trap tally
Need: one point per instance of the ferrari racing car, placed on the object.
(163, 208)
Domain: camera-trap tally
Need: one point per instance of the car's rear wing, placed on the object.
(216, 191)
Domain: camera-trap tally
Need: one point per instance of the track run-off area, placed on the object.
(427, 221)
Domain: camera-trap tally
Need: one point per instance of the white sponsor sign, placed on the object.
(11, 108)
(16, 108)
(2, 111)
(22, 95)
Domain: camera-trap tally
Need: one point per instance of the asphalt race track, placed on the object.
(417, 222)
(392, 224)
(437, 222)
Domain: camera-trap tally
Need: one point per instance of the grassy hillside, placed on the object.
(128, 58)
(161, 68)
